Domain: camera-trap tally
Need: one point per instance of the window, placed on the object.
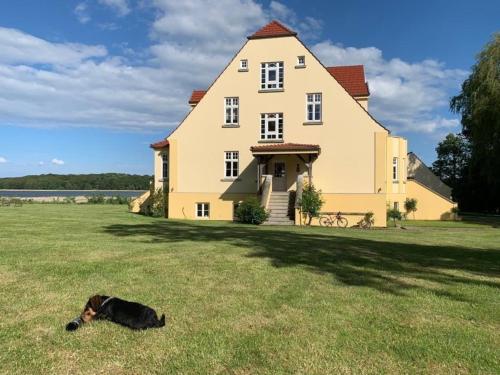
(394, 169)
(313, 107)
(164, 158)
(231, 164)
(202, 210)
(231, 107)
(271, 126)
(271, 75)
(396, 206)
(243, 64)
(301, 60)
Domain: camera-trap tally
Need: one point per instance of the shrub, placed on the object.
(158, 204)
(95, 199)
(394, 214)
(251, 212)
(411, 206)
(311, 202)
(369, 219)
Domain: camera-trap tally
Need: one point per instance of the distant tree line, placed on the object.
(470, 161)
(102, 181)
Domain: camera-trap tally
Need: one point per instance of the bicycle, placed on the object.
(329, 219)
(367, 221)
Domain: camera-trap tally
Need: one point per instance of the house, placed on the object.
(274, 119)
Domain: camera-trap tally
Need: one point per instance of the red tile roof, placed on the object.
(351, 78)
(196, 96)
(161, 144)
(273, 29)
(285, 147)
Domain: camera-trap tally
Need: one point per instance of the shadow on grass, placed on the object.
(491, 220)
(386, 266)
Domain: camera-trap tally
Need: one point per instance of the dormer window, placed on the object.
(301, 62)
(243, 66)
(271, 77)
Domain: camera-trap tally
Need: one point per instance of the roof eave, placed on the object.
(250, 37)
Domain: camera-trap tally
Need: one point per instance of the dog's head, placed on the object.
(91, 307)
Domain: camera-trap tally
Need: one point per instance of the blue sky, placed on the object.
(86, 85)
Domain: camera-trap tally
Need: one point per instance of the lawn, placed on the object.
(244, 299)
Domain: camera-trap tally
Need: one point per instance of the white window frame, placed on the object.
(164, 166)
(277, 133)
(315, 100)
(204, 208)
(395, 169)
(299, 62)
(233, 105)
(265, 69)
(244, 64)
(233, 158)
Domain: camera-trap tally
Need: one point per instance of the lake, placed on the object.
(69, 193)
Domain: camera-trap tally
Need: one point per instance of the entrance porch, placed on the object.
(281, 169)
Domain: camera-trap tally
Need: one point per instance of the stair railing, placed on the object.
(266, 188)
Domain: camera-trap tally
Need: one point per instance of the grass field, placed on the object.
(247, 300)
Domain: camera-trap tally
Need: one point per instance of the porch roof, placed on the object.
(285, 148)
(161, 144)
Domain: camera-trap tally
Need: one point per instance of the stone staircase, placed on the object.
(279, 209)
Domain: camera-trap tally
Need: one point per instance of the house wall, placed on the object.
(352, 203)
(396, 189)
(348, 163)
(430, 205)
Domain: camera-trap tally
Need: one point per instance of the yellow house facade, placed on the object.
(274, 119)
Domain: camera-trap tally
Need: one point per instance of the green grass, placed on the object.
(247, 300)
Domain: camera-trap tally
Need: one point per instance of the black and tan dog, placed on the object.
(129, 314)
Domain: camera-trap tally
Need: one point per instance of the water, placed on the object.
(69, 193)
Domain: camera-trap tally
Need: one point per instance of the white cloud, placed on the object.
(2, 160)
(57, 161)
(41, 163)
(20, 48)
(82, 13)
(405, 96)
(121, 7)
(307, 27)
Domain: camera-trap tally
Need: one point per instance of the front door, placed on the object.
(279, 177)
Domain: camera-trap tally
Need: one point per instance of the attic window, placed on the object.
(243, 66)
(301, 62)
(271, 76)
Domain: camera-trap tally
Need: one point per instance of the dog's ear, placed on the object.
(95, 302)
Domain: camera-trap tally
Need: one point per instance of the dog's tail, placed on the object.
(161, 321)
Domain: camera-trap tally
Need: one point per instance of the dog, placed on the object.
(129, 314)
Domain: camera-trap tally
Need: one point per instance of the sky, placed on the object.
(87, 85)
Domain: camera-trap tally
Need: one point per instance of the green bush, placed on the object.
(369, 218)
(311, 202)
(394, 214)
(95, 199)
(251, 212)
(411, 206)
(158, 204)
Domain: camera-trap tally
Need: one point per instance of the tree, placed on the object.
(411, 206)
(479, 106)
(452, 158)
(394, 214)
(311, 202)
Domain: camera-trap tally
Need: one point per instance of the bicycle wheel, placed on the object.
(342, 222)
(325, 221)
